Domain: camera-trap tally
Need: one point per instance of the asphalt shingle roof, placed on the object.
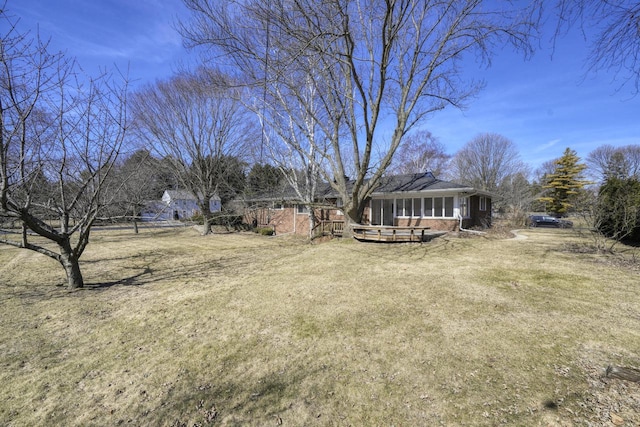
(391, 184)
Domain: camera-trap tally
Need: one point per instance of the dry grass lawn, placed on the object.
(176, 329)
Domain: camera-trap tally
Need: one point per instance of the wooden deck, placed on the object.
(370, 233)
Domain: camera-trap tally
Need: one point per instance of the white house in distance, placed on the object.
(176, 205)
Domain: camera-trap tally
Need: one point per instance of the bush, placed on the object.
(618, 216)
(265, 231)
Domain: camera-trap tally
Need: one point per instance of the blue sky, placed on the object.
(544, 105)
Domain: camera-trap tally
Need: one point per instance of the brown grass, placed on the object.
(238, 329)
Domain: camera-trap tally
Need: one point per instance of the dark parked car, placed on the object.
(548, 221)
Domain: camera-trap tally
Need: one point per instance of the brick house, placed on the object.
(412, 200)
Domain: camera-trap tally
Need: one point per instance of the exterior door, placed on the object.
(376, 212)
(387, 212)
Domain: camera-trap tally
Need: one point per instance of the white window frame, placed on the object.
(278, 206)
(401, 210)
(482, 204)
(302, 209)
(401, 207)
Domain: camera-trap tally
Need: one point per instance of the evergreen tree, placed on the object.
(618, 213)
(564, 183)
(264, 179)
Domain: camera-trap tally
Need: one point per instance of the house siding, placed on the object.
(288, 220)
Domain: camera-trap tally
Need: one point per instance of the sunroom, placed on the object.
(423, 201)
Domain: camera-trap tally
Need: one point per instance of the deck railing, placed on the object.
(326, 228)
(391, 234)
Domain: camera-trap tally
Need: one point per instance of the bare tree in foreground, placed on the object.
(616, 44)
(196, 122)
(59, 139)
(377, 67)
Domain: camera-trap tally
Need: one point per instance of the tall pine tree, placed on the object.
(564, 184)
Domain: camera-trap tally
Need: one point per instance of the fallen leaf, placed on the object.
(616, 419)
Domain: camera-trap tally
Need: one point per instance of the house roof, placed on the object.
(183, 195)
(422, 182)
(393, 184)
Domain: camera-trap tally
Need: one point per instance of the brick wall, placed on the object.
(288, 220)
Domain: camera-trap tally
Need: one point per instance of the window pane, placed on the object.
(448, 207)
(428, 207)
(404, 207)
(416, 207)
(437, 206)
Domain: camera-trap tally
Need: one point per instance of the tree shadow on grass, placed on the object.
(201, 271)
(242, 400)
(134, 280)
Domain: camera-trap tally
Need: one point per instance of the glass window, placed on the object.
(428, 206)
(448, 207)
(416, 208)
(437, 206)
(302, 209)
(483, 204)
(404, 207)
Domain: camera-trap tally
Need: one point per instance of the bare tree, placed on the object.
(295, 138)
(421, 152)
(616, 44)
(518, 196)
(369, 62)
(196, 121)
(598, 161)
(487, 161)
(491, 162)
(135, 181)
(59, 139)
(607, 159)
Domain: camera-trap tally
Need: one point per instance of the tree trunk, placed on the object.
(135, 226)
(206, 225)
(312, 222)
(71, 266)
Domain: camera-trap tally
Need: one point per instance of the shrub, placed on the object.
(618, 216)
(265, 231)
